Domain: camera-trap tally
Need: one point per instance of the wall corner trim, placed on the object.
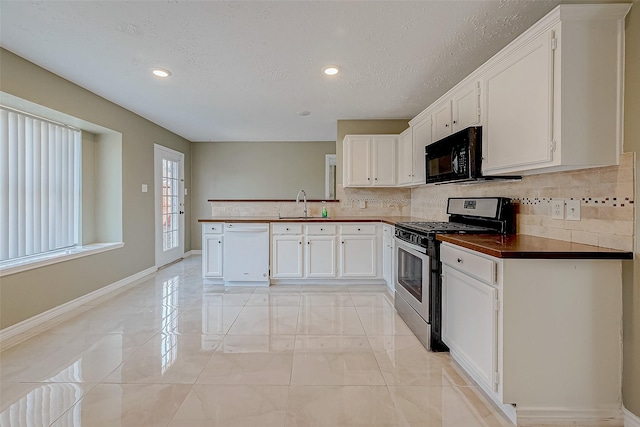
(41, 318)
(630, 419)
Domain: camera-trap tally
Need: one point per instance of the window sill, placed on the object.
(19, 266)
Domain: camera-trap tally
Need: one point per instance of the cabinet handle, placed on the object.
(460, 260)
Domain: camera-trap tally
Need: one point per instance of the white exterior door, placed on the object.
(169, 204)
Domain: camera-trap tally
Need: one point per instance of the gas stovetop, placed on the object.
(443, 227)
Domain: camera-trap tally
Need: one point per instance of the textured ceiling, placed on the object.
(242, 70)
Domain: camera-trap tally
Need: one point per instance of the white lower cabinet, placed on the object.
(470, 323)
(212, 264)
(540, 336)
(388, 255)
(286, 256)
(310, 253)
(212, 246)
(357, 256)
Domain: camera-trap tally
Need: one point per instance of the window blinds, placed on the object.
(39, 185)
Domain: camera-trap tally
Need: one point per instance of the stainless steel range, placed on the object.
(418, 282)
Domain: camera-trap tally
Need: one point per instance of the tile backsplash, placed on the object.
(606, 197)
(377, 202)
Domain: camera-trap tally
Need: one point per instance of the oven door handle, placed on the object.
(410, 246)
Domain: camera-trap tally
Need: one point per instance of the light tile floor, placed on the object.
(171, 351)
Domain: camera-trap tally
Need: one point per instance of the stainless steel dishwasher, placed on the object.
(246, 254)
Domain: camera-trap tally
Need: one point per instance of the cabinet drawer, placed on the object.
(321, 229)
(469, 263)
(286, 228)
(358, 229)
(212, 227)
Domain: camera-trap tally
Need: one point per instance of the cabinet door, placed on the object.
(405, 158)
(421, 138)
(519, 108)
(286, 257)
(358, 256)
(357, 161)
(387, 262)
(320, 259)
(469, 323)
(442, 121)
(212, 255)
(466, 106)
(384, 160)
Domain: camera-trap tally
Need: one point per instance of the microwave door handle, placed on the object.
(454, 161)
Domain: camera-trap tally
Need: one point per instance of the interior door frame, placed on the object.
(157, 179)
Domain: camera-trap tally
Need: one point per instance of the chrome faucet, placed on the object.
(304, 195)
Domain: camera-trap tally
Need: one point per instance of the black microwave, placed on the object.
(457, 158)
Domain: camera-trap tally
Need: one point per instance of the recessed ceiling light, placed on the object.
(332, 70)
(161, 72)
(303, 113)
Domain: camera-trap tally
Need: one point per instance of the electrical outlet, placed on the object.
(557, 209)
(573, 210)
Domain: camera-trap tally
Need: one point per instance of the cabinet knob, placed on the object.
(460, 260)
(322, 229)
(359, 229)
(219, 241)
(446, 125)
(455, 121)
(287, 229)
(308, 243)
(368, 179)
(342, 243)
(299, 242)
(376, 179)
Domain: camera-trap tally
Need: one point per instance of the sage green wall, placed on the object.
(364, 127)
(631, 283)
(254, 170)
(27, 294)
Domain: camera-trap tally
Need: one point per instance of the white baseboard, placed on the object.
(193, 252)
(39, 319)
(630, 419)
(569, 417)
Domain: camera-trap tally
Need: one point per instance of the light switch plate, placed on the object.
(557, 209)
(144, 188)
(573, 210)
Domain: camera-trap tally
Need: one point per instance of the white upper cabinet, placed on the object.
(405, 158)
(465, 102)
(369, 160)
(519, 101)
(457, 110)
(553, 97)
(442, 120)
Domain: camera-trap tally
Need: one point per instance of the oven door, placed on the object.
(412, 276)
